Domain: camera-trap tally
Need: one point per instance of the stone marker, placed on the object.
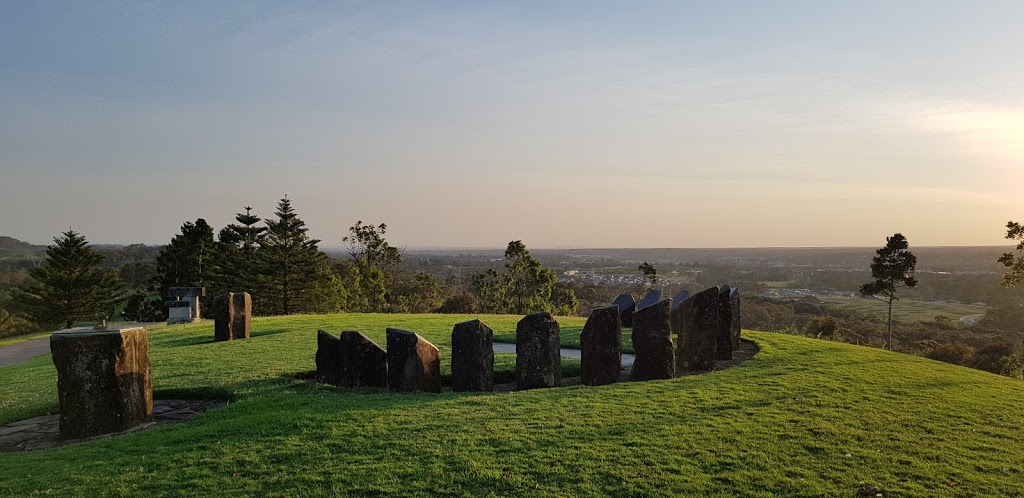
(677, 300)
(187, 312)
(413, 362)
(328, 357)
(652, 297)
(538, 352)
(734, 301)
(601, 345)
(104, 382)
(696, 323)
(472, 357)
(232, 316)
(363, 362)
(652, 342)
(723, 340)
(627, 305)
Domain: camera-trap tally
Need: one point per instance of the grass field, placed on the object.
(906, 310)
(802, 418)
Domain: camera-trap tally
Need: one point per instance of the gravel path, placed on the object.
(24, 350)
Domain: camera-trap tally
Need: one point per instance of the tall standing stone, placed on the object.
(723, 341)
(679, 297)
(652, 342)
(472, 357)
(734, 302)
(601, 344)
(652, 297)
(626, 305)
(363, 362)
(413, 362)
(696, 323)
(104, 382)
(232, 316)
(328, 357)
(538, 352)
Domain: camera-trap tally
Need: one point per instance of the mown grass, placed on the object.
(802, 418)
(907, 310)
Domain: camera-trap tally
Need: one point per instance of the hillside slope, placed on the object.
(802, 418)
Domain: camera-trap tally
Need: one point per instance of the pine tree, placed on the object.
(69, 286)
(295, 273)
(188, 261)
(892, 267)
(237, 265)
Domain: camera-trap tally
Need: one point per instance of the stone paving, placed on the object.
(42, 432)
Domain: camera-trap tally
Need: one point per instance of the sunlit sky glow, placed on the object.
(563, 124)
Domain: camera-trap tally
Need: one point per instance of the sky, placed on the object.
(558, 123)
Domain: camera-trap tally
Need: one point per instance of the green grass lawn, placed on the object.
(907, 310)
(802, 418)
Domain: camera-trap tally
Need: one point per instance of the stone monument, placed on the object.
(723, 340)
(413, 362)
(472, 357)
(734, 301)
(601, 345)
(328, 357)
(232, 316)
(677, 300)
(652, 297)
(626, 305)
(104, 382)
(538, 352)
(696, 323)
(652, 342)
(362, 362)
(185, 306)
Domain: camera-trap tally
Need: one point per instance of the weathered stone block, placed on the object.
(723, 340)
(413, 362)
(538, 352)
(601, 345)
(626, 305)
(232, 316)
(737, 326)
(652, 342)
(104, 382)
(472, 357)
(696, 323)
(679, 297)
(328, 357)
(363, 362)
(652, 297)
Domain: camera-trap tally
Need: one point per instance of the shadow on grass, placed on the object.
(267, 332)
(196, 340)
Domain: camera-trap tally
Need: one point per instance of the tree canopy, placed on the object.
(892, 268)
(1015, 274)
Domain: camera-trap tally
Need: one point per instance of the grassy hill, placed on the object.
(802, 418)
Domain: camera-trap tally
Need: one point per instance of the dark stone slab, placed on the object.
(413, 362)
(652, 297)
(328, 357)
(177, 304)
(186, 291)
(696, 323)
(626, 305)
(677, 300)
(723, 341)
(734, 302)
(538, 352)
(363, 362)
(232, 316)
(104, 382)
(472, 357)
(601, 345)
(652, 342)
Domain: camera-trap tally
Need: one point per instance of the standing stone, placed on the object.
(601, 344)
(652, 297)
(363, 362)
(472, 357)
(328, 357)
(723, 340)
(538, 352)
(232, 316)
(104, 382)
(652, 342)
(734, 301)
(627, 305)
(677, 300)
(413, 362)
(696, 323)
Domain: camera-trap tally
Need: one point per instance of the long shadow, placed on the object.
(208, 339)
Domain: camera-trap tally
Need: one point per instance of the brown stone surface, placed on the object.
(413, 362)
(328, 357)
(232, 315)
(472, 357)
(363, 362)
(601, 347)
(652, 342)
(104, 382)
(723, 340)
(538, 352)
(696, 323)
(737, 326)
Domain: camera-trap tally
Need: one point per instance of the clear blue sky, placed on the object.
(582, 124)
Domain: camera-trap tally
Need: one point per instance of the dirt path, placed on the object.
(24, 350)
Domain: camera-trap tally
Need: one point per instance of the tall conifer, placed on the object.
(293, 269)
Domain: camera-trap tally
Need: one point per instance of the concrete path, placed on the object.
(24, 350)
(627, 359)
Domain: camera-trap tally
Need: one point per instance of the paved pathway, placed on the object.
(24, 350)
(627, 359)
